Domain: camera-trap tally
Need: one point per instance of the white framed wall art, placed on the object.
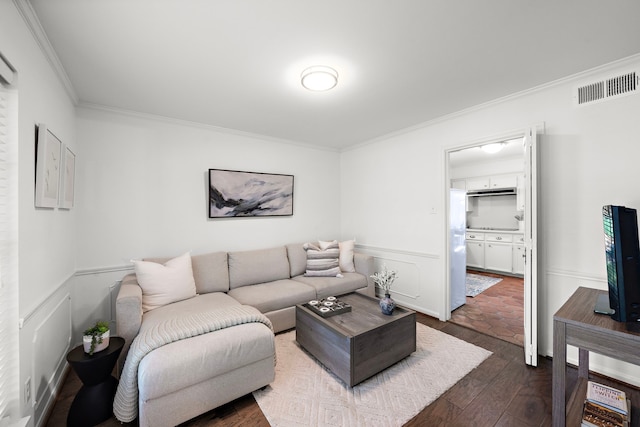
(48, 161)
(68, 178)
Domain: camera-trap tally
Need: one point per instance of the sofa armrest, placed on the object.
(364, 265)
(128, 313)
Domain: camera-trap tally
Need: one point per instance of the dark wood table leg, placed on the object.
(559, 374)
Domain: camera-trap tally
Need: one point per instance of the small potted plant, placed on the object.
(96, 338)
(384, 279)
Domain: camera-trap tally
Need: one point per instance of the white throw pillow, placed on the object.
(346, 256)
(165, 283)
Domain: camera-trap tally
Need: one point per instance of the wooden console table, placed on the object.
(576, 324)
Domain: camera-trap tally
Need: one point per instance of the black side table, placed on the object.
(94, 402)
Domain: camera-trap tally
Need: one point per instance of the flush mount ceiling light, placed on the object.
(493, 148)
(319, 78)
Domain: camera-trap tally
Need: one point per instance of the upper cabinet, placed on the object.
(478, 184)
(494, 182)
(460, 184)
(503, 181)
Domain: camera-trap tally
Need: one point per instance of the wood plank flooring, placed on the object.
(502, 391)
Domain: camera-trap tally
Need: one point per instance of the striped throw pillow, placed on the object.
(323, 261)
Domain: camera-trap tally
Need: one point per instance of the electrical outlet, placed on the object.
(27, 390)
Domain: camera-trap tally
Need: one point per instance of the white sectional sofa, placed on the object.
(189, 376)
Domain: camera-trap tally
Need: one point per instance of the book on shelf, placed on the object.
(605, 407)
(606, 396)
(594, 415)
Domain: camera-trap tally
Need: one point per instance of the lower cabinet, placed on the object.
(475, 254)
(518, 259)
(497, 256)
(495, 252)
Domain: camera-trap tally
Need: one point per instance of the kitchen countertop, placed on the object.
(495, 230)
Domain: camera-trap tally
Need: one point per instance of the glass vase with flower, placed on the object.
(384, 279)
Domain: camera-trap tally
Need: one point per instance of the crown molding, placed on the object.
(82, 105)
(33, 23)
(605, 68)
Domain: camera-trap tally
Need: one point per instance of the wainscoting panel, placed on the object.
(407, 284)
(51, 340)
(94, 297)
(419, 283)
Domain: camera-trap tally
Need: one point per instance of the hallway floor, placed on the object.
(498, 311)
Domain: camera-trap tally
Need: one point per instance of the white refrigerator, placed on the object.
(457, 247)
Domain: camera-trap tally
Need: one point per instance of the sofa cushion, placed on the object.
(333, 286)
(322, 260)
(275, 295)
(297, 258)
(346, 256)
(181, 364)
(258, 266)
(210, 271)
(165, 283)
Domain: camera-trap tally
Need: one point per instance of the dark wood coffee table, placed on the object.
(358, 344)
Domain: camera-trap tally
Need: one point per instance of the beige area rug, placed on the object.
(305, 393)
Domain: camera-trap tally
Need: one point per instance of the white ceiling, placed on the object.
(513, 149)
(236, 63)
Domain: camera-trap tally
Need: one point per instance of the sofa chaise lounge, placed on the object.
(195, 373)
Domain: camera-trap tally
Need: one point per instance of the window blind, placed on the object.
(9, 356)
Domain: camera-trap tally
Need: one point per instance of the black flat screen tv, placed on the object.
(623, 262)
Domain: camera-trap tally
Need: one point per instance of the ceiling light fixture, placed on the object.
(319, 78)
(493, 148)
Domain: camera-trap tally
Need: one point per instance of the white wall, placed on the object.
(142, 189)
(47, 237)
(393, 189)
(486, 168)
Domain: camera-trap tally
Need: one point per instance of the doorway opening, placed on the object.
(492, 176)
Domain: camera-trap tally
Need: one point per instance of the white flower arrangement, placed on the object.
(385, 278)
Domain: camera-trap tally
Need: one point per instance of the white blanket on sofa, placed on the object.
(125, 404)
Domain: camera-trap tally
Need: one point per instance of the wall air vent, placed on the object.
(625, 84)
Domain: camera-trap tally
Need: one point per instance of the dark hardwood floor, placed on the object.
(502, 391)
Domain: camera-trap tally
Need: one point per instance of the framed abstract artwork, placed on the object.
(249, 194)
(48, 154)
(68, 178)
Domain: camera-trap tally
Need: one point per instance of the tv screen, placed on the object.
(623, 261)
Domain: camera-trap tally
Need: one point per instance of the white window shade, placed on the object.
(9, 384)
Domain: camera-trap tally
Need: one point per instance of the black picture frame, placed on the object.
(234, 194)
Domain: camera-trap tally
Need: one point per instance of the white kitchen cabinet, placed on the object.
(494, 182)
(498, 237)
(503, 181)
(475, 253)
(478, 184)
(501, 252)
(474, 235)
(460, 184)
(498, 256)
(518, 259)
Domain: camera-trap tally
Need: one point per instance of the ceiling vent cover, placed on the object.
(625, 84)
